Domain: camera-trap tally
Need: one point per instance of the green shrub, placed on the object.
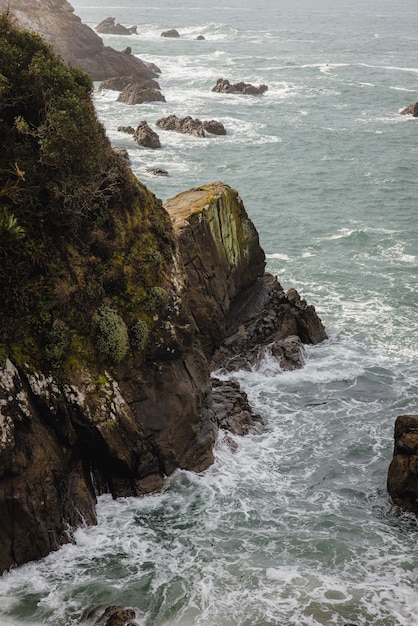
(112, 336)
(56, 344)
(139, 335)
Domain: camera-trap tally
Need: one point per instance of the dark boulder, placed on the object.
(214, 127)
(137, 94)
(200, 38)
(115, 616)
(157, 171)
(108, 26)
(232, 409)
(402, 481)
(172, 32)
(189, 126)
(412, 109)
(126, 129)
(146, 137)
(224, 86)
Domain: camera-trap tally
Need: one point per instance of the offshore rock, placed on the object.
(189, 126)
(136, 93)
(412, 109)
(108, 26)
(224, 86)
(172, 32)
(402, 481)
(74, 41)
(146, 137)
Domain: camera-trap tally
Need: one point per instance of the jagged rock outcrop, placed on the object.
(74, 41)
(136, 93)
(189, 126)
(109, 26)
(402, 481)
(146, 137)
(238, 309)
(412, 109)
(224, 86)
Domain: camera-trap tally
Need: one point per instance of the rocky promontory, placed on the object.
(115, 310)
(74, 41)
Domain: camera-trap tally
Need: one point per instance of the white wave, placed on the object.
(278, 255)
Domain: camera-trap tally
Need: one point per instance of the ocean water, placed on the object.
(295, 528)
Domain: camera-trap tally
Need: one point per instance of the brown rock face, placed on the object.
(136, 94)
(221, 253)
(412, 109)
(189, 126)
(145, 136)
(128, 428)
(403, 471)
(74, 41)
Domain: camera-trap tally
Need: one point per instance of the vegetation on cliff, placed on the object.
(85, 248)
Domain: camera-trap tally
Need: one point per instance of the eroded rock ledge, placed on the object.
(62, 442)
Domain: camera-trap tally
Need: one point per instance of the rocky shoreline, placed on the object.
(63, 442)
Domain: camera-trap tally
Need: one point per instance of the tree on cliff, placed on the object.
(79, 235)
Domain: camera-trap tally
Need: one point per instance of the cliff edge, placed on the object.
(113, 311)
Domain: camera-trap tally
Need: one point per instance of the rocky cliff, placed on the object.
(74, 41)
(114, 311)
(403, 470)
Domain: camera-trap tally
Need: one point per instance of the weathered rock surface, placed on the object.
(115, 616)
(189, 126)
(403, 471)
(74, 41)
(128, 429)
(146, 137)
(412, 109)
(157, 171)
(136, 93)
(232, 409)
(224, 86)
(238, 309)
(108, 26)
(172, 32)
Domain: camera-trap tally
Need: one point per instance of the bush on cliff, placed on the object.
(77, 229)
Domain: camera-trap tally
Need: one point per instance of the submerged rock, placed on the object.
(189, 126)
(224, 86)
(402, 481)
(115, 616)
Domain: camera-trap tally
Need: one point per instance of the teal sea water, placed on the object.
(296, 527)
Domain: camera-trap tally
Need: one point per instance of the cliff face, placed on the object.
(74, 41)
(111, 312)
